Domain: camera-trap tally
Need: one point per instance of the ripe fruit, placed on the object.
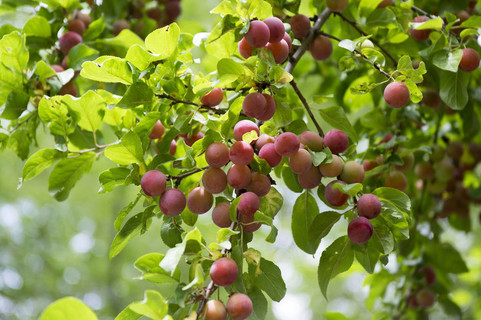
(276, 29)
(69, 40)
(120, 25)
(69, 88)
(321, 48)
(244, 126)
(248, 204)
(336, 141)
(238, 177)
(280, 50)
(310, 179)
(214, 180)
(84, 17)
(217, 155)
(223, 272)
(245, 49)
(333, 196)
(385, 3)
(220, 215)
(300, 162)
(352, 172)
(359, 230)
(470, 60)
(397, 180)
(300, 26)
(260, 184)
(215, 310)
(190, 140)
(270, 108)
(200, 200)
(287, 144)
(424, 170)
(157, 131)
(420, 35)
(288, 40)
(153, 183)
(254, 105)
(239, 306)
(268, 152)
(425, 298)
(172, 202)
(241, 153)
(248, 224)
(369, 206)
(213, 98)
(332, 169)
(173, 147)
(396, 94)
(263, 140)
(312, 140)
(337, 5)
(77, 25)
(57, 68)
(429, 275)
(258, 34)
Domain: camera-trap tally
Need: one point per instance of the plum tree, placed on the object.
(217, 155)
(238, 177)
(300, 162)
(352, 172)
(312, 140)
(337, 5)
(213, 98)
(287, 144)
(69, 40)
(153, 183)
(258, 34)
(470, 60)
(254, 105)
(420, 35)
(321, 48)
(215, 310)
(214, 180)
(244, 126)
(248, 204)
(369, 206)
(224, 272)
(172, 202)
(332, 169)
(336, 141)
(220, 215)
(157, 131)
(334, 196)
(241, 153)
(276, 29)
(396, 94)
(300, 25)
(239, 306)
(199, 200)
(359, 230)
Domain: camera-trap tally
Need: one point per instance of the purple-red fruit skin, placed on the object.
(69, 40)
(276, 29)
(336, 140)
(369, 206)
(239, 306)
(217, 155)
(220, 215)
(333, 196)
(224, 271)
(287, 144)
(153, 183)
(172, 202)
(258, 34)
(248, 204)
(359, 230)
(396, 94)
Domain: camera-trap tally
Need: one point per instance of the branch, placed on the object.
(307, 41)
(355, 26)
(375, 64)
(306, 106)
(176, 101)
(179, 177)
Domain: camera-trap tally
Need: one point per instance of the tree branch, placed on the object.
(176, 101)
(306, 106)
(179, 177)
(307, 41)
(355, 26)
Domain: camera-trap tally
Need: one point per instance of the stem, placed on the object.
(201, 106)
(355, 26)
(305, 44)
(179, 177)
(306, 106)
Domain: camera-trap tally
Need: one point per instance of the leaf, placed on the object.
(321, 226)
(67, 172)
(350, 189)
(137, 94)
(80, 54)
(16, 104)
(153, 306)
(125, 211)
(94, 30)
(163, 41)
(112, 177)
(229, 71)
(303, 214)
(290, 179)
(68, 308)
(39, 161)
(170, 233)
(336, 117)
(337, 258)
(259, 303)
(396, 211)
(88, 111)
(446, 258)
(37, 26)
(382, 238)
(107, 69)
(448, 61)
(473, 22)
(128, 151)
(366, 7)
(434, 24)
(270, 280)
(271, 203)
(454, 89)
(141, 58)
(366, 255)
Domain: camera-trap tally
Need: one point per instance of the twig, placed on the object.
(307, 41)
(375, 64)
(355, 26)
(306, 106)
(184, 175)
(176, 101)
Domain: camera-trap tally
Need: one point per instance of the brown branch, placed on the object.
(355, 26)
(306, 106)
(176, 101)
(179, 177)
(294, 59)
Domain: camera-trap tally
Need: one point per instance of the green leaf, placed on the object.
(337, 258)
(107, 69)
(448, 61)
(260, 303)
(113, 177)
(43, 70)
(271, 203)
(68, 308)
(446, 258)
(163, 41)
(131, 228)
(128, 151)
(88, 111)
(396, 211)
(16, 104)
(67, 172)
(141, 58)
(303, 214)
(321, 226)
(454, 89)
(382, 238)
(336, 117)
(127, 314)
(123, 41)
(173, 256)
(94, 30)
(171, 233)
(473, 22)
(137, 94)
(366, 7)
(80, 54)
(229, 71)
(37, 26)
(350, 189)
(125, 211)
(270, 280)
(39, 161)
(434, 24)
(13, 51)
(153, 306)
(290, 180)
(366, 255)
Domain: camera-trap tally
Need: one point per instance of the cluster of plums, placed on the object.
(163, 13)
(224, 272)
(423, 297)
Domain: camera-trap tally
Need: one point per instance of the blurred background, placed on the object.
(49, 250)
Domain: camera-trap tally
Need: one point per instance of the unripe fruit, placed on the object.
(369, 206)
(396, 94)
(223, 272)
(254, 105)
(420, 35)
(359, 230)
(333, 196)
(287, 144)
(312, 140)
(199, 200)
(424, 171)
(214, 180)
(310, 179)
(153, 183)
(157, 131)
(241, 153)
(397, 180)
(268, 152)
(276, 29)
(217, 155)
(437, 153)
(244, 126)
(245, 49)
(77, 26)
(337, 5)
(445, 170)
(429, 275)
(352, 172)
(300, 26)
(69, 40)
(172, 202)
(248, 204)
(213, 98)
(260, 184)
(220, 215)
(408, 162)
(336, 141)
(280, 50)
(469, 61)
(120, 25)
(332, 169)
(215, 310)
(239, 306)
(425, 298)
(300, 162)
(270, 108)
(321, 48)
(238, 177)
(258, 34)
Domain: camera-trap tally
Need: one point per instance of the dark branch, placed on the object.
(306, 106)
(176, 101)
